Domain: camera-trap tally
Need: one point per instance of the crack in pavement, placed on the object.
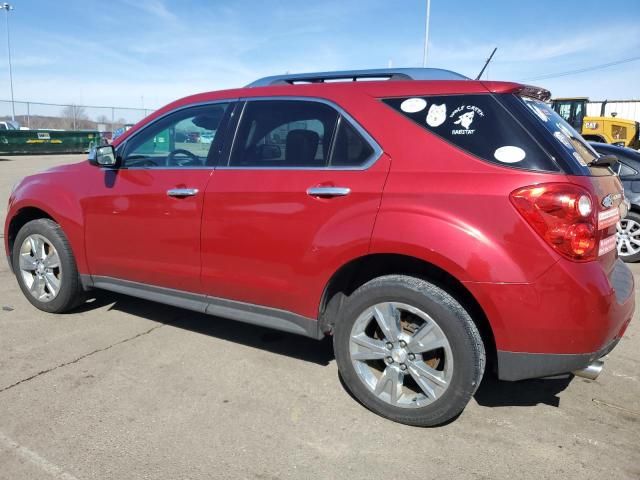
(76, 360)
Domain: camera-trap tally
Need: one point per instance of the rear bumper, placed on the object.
(519, 366)
(573, 314)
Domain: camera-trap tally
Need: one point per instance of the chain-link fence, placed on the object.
(52, 116)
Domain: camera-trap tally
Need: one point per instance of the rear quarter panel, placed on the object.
(452, 209)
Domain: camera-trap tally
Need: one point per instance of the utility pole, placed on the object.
(426, 35)
(8, 8)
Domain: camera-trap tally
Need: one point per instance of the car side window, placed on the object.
(183, 139)
(349, 149)
(284, 133)
(626, 171)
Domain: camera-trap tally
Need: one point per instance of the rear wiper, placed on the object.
(605, 161)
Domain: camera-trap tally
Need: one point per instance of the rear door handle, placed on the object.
(182, 192)
(327, 192)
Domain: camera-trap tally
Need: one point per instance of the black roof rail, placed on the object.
(355, 75)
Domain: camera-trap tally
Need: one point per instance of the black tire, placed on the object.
(70, 293)
(633, 258)
(462, 334)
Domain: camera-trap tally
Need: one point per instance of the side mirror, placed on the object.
(103, 156)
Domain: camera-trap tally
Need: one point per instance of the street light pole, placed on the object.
(426, 35)
(8, 8)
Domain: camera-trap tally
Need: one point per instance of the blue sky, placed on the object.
(130, 52)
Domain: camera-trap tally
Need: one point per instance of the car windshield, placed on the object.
(564, 133)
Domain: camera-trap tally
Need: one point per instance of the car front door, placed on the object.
(143, 219)
(297, 199)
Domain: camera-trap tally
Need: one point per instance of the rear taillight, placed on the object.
(564, 215)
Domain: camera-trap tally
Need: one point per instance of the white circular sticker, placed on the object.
(413, 105)
(509, 154)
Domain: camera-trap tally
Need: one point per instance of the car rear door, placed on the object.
(296, 200)
(143, 219)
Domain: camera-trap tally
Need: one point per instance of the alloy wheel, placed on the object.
(401, 354)
(628, 237)
(40, 267)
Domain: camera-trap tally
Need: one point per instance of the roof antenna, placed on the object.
(486, 63)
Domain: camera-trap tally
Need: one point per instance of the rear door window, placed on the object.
(349, 149)
(284, 133)
(478, 124)
(292, 133)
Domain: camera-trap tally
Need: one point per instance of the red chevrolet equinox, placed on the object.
(431, 224)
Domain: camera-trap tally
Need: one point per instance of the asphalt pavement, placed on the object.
(127, 389)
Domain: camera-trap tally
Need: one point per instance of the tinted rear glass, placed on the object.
(565, 135)
(478, 124)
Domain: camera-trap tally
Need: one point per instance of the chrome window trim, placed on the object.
(123, 145)
(373, 158)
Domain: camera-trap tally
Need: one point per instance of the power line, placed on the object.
(582, 70)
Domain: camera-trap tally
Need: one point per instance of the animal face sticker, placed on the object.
(465, 120)
(436, 115)
(465, 116)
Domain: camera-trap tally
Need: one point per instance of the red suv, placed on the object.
(432, 224)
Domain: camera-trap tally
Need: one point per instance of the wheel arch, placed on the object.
(359, 271)
(19, 220)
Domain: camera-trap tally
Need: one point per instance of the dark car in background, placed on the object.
(628, 168)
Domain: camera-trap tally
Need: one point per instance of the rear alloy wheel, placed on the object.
(408, 350)
(412, 347)
(45, 267)
(628, 238)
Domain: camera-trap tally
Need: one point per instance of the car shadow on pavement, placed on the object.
(281, 343)
(525, 393)
(491, 393)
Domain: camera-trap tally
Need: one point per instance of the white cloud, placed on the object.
(157, 8)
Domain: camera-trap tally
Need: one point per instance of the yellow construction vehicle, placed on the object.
(617, 131)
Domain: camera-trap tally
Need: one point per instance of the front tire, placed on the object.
(408, 351)
(45, 267)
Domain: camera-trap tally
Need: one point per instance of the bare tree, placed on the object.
(76, 117)
(119, 123)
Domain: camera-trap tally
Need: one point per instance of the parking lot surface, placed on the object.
(127, 389)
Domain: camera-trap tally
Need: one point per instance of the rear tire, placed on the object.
(45, 267)
(408, 351)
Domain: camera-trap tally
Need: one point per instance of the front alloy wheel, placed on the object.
(40, 267)
(45, 267)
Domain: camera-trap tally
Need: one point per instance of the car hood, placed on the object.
(71, 167)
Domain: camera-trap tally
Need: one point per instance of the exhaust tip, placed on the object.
(591, 371)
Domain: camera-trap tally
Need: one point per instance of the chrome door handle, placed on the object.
(182, 192)
(328, 191)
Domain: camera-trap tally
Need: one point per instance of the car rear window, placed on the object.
(478, 124)
(565, 135)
